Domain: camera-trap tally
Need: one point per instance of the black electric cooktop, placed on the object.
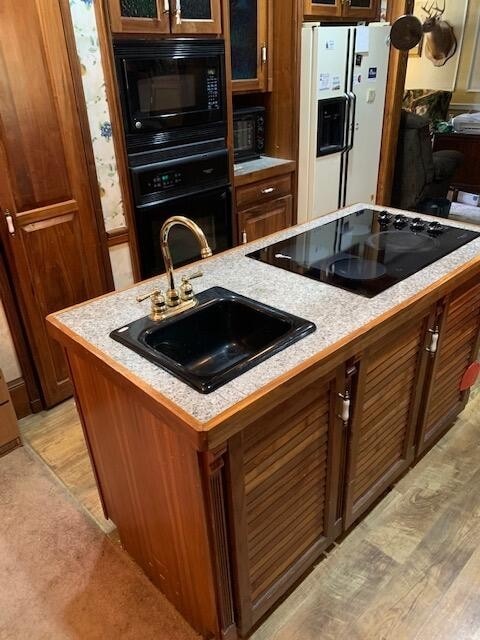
(367, 251)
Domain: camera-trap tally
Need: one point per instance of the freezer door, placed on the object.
(332, 68)
(370, 79)
(306, 153)
(332, 75)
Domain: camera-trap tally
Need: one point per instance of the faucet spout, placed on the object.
(173, 298)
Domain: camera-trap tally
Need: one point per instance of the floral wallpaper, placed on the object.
(86, 36)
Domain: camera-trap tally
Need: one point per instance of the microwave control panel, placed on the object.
(213, 92)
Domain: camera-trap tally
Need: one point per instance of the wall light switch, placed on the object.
(371, 95)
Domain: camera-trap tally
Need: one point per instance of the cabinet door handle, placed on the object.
(268, 190)
(166, 6)
(178, 12)
(345, 414)
(264, 54)
(433, 346)
(10, 223)
(244, 237)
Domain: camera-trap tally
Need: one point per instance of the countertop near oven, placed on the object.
(337, 314)
(261, 168)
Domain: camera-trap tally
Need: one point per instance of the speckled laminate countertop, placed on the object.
(336, 313)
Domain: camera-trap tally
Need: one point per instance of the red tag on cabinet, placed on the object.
(470, 376)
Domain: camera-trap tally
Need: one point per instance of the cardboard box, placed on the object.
(9, 432)
(4, 395)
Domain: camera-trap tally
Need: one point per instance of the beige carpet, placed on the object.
(61, 578)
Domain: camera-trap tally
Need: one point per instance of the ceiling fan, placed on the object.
(438, 34)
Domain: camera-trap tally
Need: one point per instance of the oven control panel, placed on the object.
(158, 182)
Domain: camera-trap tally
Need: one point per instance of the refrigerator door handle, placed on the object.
(351, 119)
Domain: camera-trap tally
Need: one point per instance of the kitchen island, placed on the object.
(227, 499)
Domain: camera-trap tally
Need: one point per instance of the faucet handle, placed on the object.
(195, 274)
(159, 305)
(155, 292)
(186, 289)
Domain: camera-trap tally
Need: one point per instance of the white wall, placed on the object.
(8, 358)
(421, 74)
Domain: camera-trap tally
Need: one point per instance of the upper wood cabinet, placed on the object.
(356, 9)
(166, 16)
(251, 42)
(50, 225)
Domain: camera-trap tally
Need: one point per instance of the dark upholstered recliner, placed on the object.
(419, 172)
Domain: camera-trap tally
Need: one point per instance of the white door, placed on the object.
(370, 79)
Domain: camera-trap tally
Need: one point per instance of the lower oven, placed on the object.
(211, 209)
(196, 186)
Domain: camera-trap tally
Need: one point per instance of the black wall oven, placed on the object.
(172, 91)
(196, 187)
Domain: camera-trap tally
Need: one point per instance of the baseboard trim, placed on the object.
(10, 446)
(20, 400)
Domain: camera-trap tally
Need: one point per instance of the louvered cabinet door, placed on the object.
(284, 478)
(458, 344)
(386, 403)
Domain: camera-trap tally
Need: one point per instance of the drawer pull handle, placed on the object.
(435, 333)
(268, 190)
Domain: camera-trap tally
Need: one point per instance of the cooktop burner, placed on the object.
(355, 268)
(367, 251)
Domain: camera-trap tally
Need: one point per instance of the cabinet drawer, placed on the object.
(265, 190)
(265, 219)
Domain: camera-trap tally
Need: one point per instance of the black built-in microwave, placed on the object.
(172, 91)
(248, 133)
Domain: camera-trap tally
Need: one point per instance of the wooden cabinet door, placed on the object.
(327, 8)
(284, 473)
(459, 327)
(251, 44)
(139, 16)
(386, 402)
(48, 225)
(263, 220)
(362, 9)
(196, 16)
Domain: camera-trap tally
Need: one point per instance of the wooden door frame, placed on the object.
(264, 34)
(159, 25)
(397, 72)
(86, 138)
(187, 27)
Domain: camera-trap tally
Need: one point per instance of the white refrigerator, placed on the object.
(342, 100)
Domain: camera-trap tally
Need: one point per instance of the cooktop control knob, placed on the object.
(400, 221)
(384, 217)
(435, 228)
(417, 224)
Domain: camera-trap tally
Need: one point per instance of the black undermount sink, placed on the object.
(222, 337)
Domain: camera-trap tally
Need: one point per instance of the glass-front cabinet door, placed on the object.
(166, 16)
(365, 9)
(323, 7)
(251, 46)
(139, 16)
(196, 16)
